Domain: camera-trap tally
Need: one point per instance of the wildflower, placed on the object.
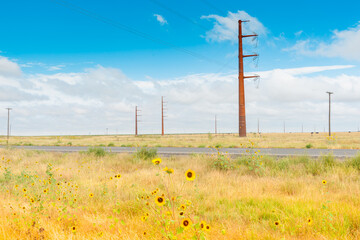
(143, 218)
(24, 189)
(100, 234)
(202, 224)
(144, 233)
(182, 207)
(111, 178)
(169, 171)
(160, 201)
(190, 175)
(309, 221)
(156, 161)
(188, 202)
(277, 223)
(207, 228)
(181, 213)
(324, 182)
(91, 195)
(73, 229)
(168, 213)
(45, 190)
(173, 199)
(185, 223)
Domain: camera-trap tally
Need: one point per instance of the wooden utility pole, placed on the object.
(215, 125)
(242, 116)
(162, 115)
(136, 120)
(329, 111)
(8, 126)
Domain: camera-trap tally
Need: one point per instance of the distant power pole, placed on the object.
(329, 111)
(162, 116)
(242, 116)
(258, 126)
(284, 127)
(215, 125)
(136, 120)
(8, 126)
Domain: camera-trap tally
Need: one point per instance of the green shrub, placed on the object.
(69, 143)
(111, 145)
(328, 161)
(221, 161)
(218, 145)
(145, 153)
(309, 145)
(201, 146)
(355, 162)
(97, 151)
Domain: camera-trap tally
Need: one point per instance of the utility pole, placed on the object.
(242, 116)
(329, 111)
(162, 116)
(8, 126)
(284, 127)
(258, 126)
(136, 120)
(215, 125)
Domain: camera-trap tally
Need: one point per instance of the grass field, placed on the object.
(267, 140)
(97, 195)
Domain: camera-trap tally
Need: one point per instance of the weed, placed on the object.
(111, 145)
(97, 151)
(309, 145)
(145, 153)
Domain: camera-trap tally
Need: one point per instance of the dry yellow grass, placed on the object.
(267, 140)
(238, 204)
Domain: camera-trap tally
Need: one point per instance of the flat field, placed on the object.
(266, 140)
(97, 195)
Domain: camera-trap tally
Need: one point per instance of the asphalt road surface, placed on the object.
(340, 153)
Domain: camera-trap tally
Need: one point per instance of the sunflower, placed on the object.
(45, 190)
(202, 224)
(324, 182)
(277, 223)
(169, 171)
(143, 218)
(24, 189)
(309, 221)
(185, 223)
(181, 213)
(156, 161)
(207, 228)
(91, 195)
(144, 233)
(160, 201)
(190, 175)
(73, 229)
(182, 207)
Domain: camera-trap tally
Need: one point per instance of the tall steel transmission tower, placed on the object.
(242, 116)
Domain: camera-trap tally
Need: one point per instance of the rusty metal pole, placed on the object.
(136, 115)
(162, 115)
(242, 117)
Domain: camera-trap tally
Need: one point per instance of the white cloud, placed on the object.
(160, 19)
(226, 28)
(343, 44)
(55, 68)
(100, 98)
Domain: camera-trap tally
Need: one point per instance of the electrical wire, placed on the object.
(132, 30)
(180, 15)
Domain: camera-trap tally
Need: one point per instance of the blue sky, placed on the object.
(46, 40)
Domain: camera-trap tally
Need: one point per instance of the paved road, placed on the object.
(341, 153)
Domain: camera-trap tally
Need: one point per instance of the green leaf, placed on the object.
(179, 230)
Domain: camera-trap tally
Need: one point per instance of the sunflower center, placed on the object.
(186, 222)
(160, 199)
(189, 174)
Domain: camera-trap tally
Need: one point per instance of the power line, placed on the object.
(131, 30)
(180, 15)
(214, 7)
